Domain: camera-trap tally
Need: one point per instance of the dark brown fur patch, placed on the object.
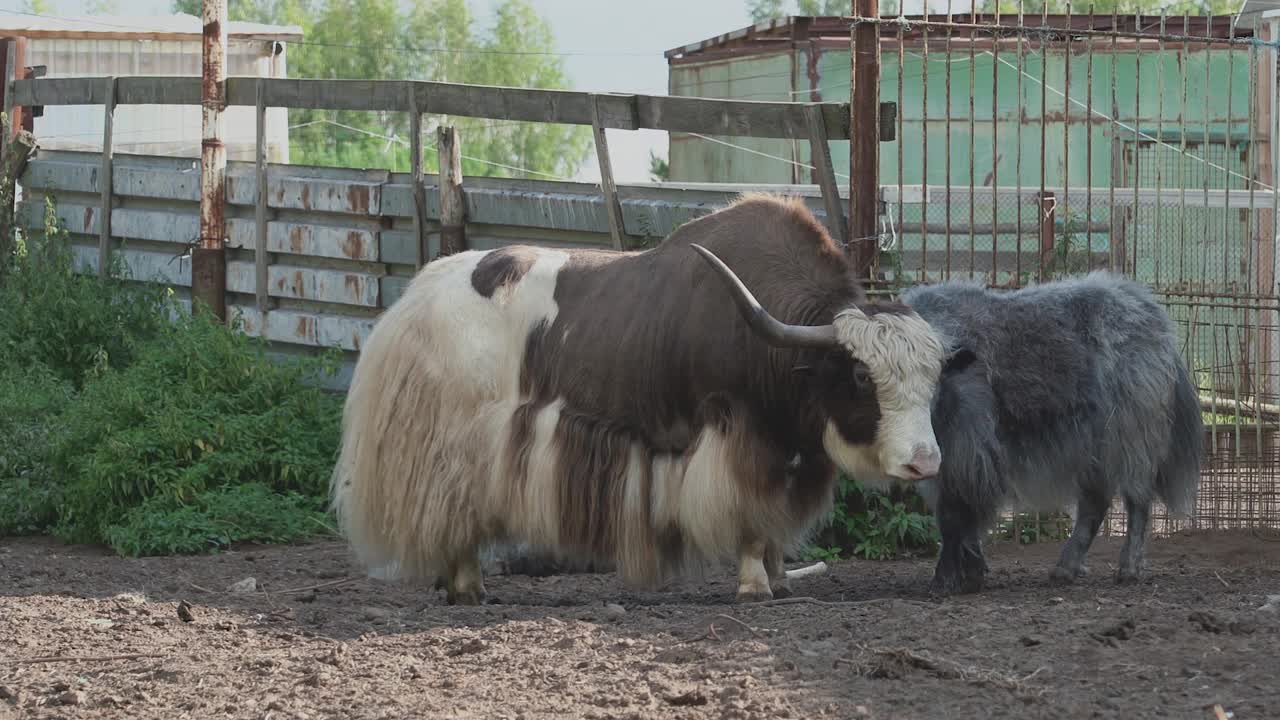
(504, 266)
(647, 348)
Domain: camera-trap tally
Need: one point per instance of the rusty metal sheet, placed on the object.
(305, 328)
(306, 239)
(308, 193)
(159, 183)
(335, 286)
(155, 225)
(141, 265)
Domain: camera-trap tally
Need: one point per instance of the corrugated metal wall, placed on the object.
(154, 129)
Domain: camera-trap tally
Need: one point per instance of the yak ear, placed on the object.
(957, 360)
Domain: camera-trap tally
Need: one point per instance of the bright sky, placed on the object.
(601, 36)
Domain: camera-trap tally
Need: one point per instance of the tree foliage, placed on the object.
(764, 10)
(420, 40)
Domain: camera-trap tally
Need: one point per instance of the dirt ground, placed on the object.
(172, 641)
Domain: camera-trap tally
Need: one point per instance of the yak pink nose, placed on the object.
(924, 464)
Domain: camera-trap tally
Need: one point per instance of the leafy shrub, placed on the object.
(201, 407)
(873, 525)
(77, 325)
(216, 519)
(130, 422)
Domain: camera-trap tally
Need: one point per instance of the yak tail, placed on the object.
(1178, 477)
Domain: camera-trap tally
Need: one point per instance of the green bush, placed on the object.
(873, 525)
(215, 519)
(132, 423)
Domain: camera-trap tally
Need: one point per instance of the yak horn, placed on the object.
(765, 325)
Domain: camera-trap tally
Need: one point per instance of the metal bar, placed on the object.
(1182, 158)
(1044, 128)
(104, 180)
(616, 229)
(1048, 206)
(260, 260)
(209, 259)
(900, 140)
(973, 159)
(1137, 154)
(1226, 169)
(1115, 149)
(995, 145)
(1204, 154)
(924, 157)
(1157, 248)
(1018, 159)
(453, 209)
(422, 252)
(1088, 145)
(1066, 142)
(1048, 31)
(820, 152)
(864, 145)
(947, 145)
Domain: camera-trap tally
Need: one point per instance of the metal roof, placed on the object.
(779, 35)
(124, 27)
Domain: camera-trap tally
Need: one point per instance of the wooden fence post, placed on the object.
(453, 209)
(105, 180)
(261, 274)
(864, 136)
(16, 153)
(1048, 209)
(419, 192)
(826, 174)
(617, 230)
(209, 258)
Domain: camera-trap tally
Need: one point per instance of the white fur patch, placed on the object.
(904, 357)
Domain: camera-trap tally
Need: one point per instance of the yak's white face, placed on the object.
(902, 357)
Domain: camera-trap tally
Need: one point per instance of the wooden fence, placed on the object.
(342, 243)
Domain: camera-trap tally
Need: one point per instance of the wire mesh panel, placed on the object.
(1047, 146)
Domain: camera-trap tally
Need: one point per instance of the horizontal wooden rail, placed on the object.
(746, 118)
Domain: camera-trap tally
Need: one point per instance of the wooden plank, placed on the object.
(320, 194)
(140, 265)
(617, 111)
(297, 327)
(260, 259)
(422, 255)
(299, 283)
(820, 153)
(105, 179)
(607, 187)
(453, 205)
(307, 239)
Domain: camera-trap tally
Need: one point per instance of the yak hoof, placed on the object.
(782, 591)
(943, 586)
(1128, 577)
(1060, 575)
(469, 597)
(754, 596)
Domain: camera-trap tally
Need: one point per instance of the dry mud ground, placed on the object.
(875, 645)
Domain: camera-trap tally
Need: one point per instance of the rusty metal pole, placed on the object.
(864, 136)
(209, 259)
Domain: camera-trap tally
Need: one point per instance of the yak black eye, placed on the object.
(862, 376)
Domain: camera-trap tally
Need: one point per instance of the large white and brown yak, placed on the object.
(638, 408)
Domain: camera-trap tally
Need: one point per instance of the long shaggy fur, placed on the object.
(1078, 393)
(615, 407)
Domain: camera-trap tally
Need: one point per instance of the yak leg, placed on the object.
(465, 585)
(778, 582)
(1135, 541)
(1091, 508)
(961, 566)
(753, 579)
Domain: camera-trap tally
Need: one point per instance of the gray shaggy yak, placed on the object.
(1078, 393)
